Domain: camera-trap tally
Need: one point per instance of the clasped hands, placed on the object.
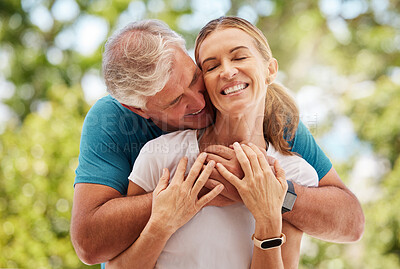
(240, 173)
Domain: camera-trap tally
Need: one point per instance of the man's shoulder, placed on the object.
(109, 115)
(108, 105)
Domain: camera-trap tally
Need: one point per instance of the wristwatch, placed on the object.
(269, 243)
(290, 198)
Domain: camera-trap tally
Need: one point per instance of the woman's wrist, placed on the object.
(268, 228)
(157, 229)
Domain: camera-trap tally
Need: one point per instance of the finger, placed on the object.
(180, 171)
(252, 156)
(271, 160)
(201, 180)
(196, 168)
(215, 174)
(242, 159)
(231, 178)
(264, 152)
(163, 182)
(211, 183)
(220, 201)
(280, 173)
(261, 157)
(216, 158)
(220, 150)
(209, 196)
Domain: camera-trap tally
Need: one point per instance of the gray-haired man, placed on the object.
(148, 71)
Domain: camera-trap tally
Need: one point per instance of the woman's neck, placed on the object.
(243, 128)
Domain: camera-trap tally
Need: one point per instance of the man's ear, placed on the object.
(273, 70)
(136, 110)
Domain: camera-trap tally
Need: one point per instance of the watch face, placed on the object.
(290, 198)
(271, 243)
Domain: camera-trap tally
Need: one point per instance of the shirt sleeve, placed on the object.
(102, 159)
(304, 144)
(111, 139)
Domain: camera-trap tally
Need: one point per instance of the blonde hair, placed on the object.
(281, 116)
(137, 61)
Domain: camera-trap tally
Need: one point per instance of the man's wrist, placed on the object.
(290, 198)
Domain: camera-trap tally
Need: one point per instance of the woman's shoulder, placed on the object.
(171, 142)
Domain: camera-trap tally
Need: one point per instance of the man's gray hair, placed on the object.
(137, 61)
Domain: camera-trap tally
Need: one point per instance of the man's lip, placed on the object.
(196, 113)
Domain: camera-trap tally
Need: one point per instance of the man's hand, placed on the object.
(226, 156)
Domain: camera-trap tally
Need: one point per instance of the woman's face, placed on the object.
(235, 73)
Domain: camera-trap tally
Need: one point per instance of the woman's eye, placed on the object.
(240, 58)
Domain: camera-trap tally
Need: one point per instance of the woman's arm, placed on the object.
(173, 205)
(263, 193)
(291, 249)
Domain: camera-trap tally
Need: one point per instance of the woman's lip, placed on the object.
(238, 87)
(232, 84)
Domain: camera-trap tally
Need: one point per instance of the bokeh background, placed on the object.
(340, 58)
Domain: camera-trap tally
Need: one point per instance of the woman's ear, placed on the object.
(136, 110)
(272, 70)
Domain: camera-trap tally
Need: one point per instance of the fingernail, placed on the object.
(211, 163)
(236, 144)
(203, 154)
(250, 144)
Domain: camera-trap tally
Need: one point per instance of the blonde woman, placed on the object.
(252, 112)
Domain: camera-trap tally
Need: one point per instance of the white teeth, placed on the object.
(235, 88)
(195, 113)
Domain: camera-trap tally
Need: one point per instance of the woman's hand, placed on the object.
(261, 191)
(175, 204)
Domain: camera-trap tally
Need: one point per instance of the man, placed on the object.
(147, 69)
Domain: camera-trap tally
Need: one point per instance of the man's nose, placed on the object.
(196, 99)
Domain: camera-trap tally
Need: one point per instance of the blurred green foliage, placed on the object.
(40, 141)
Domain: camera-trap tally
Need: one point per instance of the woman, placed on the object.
(238, 71)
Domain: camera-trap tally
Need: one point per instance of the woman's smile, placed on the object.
(236, 88)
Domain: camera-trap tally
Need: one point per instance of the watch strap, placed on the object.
(290, 198)
(269, 243)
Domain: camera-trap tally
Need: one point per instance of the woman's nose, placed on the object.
(228, 71)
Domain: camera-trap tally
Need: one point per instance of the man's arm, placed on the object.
(330, 212)
(104, 223)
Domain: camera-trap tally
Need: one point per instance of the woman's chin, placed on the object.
(234, 110)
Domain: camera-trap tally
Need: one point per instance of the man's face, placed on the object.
(183, 102)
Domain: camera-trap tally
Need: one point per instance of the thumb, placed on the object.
(163, 182)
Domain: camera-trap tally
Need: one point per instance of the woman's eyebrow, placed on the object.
(232, 50)
(237, 48)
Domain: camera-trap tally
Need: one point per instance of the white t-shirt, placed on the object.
(216, 237)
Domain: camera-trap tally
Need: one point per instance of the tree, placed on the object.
(348, 50)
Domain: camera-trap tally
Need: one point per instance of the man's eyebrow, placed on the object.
(232, 50)
(195, 77)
